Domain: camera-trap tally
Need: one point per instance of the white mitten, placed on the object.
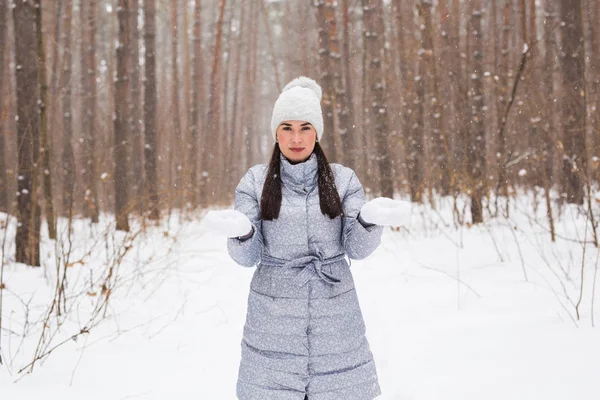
(229, 223)
(387, 212)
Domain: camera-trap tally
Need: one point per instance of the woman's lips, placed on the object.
(297, 150)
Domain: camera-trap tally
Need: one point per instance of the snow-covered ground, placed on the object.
(449, 313)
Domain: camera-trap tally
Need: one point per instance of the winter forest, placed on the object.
(123, 121)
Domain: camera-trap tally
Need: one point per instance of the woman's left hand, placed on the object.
(228, 223)
(386, 212)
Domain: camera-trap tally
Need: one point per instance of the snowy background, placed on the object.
(486, 312)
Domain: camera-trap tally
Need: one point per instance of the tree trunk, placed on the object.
(415, 133)
(237, 134)
(441, 170)
(136, 172)
(28, 131)
(346, 115)
(548, 129)
(476, 144)
(176, 138)
(459, 90)
(228, 116)
(405, 102)
(446, 78)
(547, 126)
(213, 159)
(45, 149)
(187, 91)
(593, 13)
(271, 46)
(68, 157)
(573, 110)
(196, 109)
(375, 45)
(121, 118)
(502, 95)
(324, 13)
(339, 101)
(250, 131)
(88, 84)
(533, 98)
(150, 100)
(4, 206)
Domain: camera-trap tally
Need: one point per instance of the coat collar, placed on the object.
(302, 175)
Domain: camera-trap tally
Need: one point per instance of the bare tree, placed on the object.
(459, 89)
(249, 88)
(48, 121)
(227, 184)
(212, 161)
(593, 13)
(326, 21)
(196, 109)
(411, 138)
(441, 171)
(150, 100)
(68, 155)
(3, 117)
(239, 106)
(28, 131)
(476, 144)
(416, 134)
(375, 42)
(187, 96)
(546, 115)
(45, 140)
(135, 114)
(573, 109)
(176, 142)
(502, 94)
(345, 114)
(121, 130)
(88, 84)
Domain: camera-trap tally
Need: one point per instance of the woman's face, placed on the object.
(296, 139)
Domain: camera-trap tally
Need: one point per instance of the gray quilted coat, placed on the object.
(304, 331)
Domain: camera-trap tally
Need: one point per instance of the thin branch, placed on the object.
(451, 276)
(582, 270)
(512, 95)
(519, 248)
(594, 284)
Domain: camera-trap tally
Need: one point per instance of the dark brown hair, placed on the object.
(329, 199)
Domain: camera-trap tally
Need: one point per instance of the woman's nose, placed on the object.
(296, 137)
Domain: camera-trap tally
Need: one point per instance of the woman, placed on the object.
(297, 218)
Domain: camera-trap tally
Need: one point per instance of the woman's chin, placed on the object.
(297, 157)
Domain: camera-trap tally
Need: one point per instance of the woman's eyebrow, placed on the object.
(286, 124)
(306, 123)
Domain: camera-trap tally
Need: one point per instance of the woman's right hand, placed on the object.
(228, 223)
(386, 212)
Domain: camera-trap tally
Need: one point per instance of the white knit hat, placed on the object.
(299, 101)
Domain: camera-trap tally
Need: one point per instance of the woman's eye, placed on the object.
(306, 128)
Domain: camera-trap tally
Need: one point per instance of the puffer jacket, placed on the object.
(304, 330)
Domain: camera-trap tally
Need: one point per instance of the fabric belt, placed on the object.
(311, 266)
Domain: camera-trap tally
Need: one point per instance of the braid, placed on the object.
(270, 200)
(329, 199)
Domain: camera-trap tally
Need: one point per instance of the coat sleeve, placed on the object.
(247, 250)
(359, 238)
